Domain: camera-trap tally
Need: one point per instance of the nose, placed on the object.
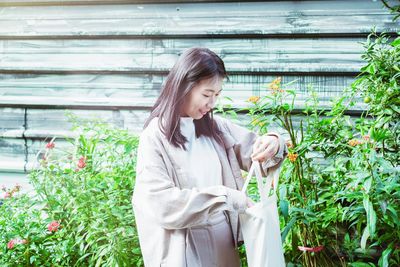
(211, 102)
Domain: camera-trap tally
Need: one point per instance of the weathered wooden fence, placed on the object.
(108, 59)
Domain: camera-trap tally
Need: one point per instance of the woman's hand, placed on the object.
(265, 147)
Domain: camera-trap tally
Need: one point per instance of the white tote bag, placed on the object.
(260, 223)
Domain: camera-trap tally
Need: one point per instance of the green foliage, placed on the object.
(88, 192)
(340, 185)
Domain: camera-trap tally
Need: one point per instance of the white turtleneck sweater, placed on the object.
(202, 162)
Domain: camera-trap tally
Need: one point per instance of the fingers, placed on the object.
(257, 144)
(264, 148)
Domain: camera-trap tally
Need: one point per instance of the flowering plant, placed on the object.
(80, 214)
(339, 185)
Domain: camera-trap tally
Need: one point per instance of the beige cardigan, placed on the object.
(165, 207)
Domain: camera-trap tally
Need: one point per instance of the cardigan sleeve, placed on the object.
(243, 147)
(156, 195)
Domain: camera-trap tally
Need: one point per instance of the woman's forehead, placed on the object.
(212, 84)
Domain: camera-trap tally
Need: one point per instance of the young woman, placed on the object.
(188, 176)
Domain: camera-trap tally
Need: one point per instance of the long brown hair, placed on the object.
(194, 65)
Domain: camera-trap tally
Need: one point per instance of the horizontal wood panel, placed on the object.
(140, 91)
(239, 55)
(226, 46)
(97, 2)
(11, 119)
(39, 119)
(12, 154)
(305, 17)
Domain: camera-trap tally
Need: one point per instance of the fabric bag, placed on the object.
(260, 223)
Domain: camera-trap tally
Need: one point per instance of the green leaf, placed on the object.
(286, 106)
(396, 42)
(394, 213)
(395, 108)
(300, 210)
(361, 264)
(364, 237)
(284, 206)
(370, 68)
(287, 228)
(367, 184)
(384, 259)
(371, 215)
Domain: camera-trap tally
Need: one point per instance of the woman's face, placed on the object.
(201, 99)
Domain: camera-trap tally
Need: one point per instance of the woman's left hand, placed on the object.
(265, 147)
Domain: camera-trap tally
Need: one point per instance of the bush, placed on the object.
(81, 214)
(340, 189)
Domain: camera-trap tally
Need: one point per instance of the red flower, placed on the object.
(308, 249)
(53, 226)
(11, 244)
(82, 163)
(50, 145)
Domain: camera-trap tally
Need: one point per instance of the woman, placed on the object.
(186, 198)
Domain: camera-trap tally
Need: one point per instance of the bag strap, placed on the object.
(263, 189)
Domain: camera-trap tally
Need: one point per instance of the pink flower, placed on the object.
(82, 163)
(366, 137)
(53, 226)
(23, 241)
(313, 249)
(50, 145)
(11, 244)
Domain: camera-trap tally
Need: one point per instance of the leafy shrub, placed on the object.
(81, 214)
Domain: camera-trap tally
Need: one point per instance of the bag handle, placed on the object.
(272, 178)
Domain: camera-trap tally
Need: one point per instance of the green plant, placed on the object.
(339, 195)
(86, 194)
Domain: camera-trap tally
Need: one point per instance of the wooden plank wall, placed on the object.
(108, 59)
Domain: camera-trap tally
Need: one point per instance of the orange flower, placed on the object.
(292, 157)
(253, 99)
(354, 142)
(275, 84)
